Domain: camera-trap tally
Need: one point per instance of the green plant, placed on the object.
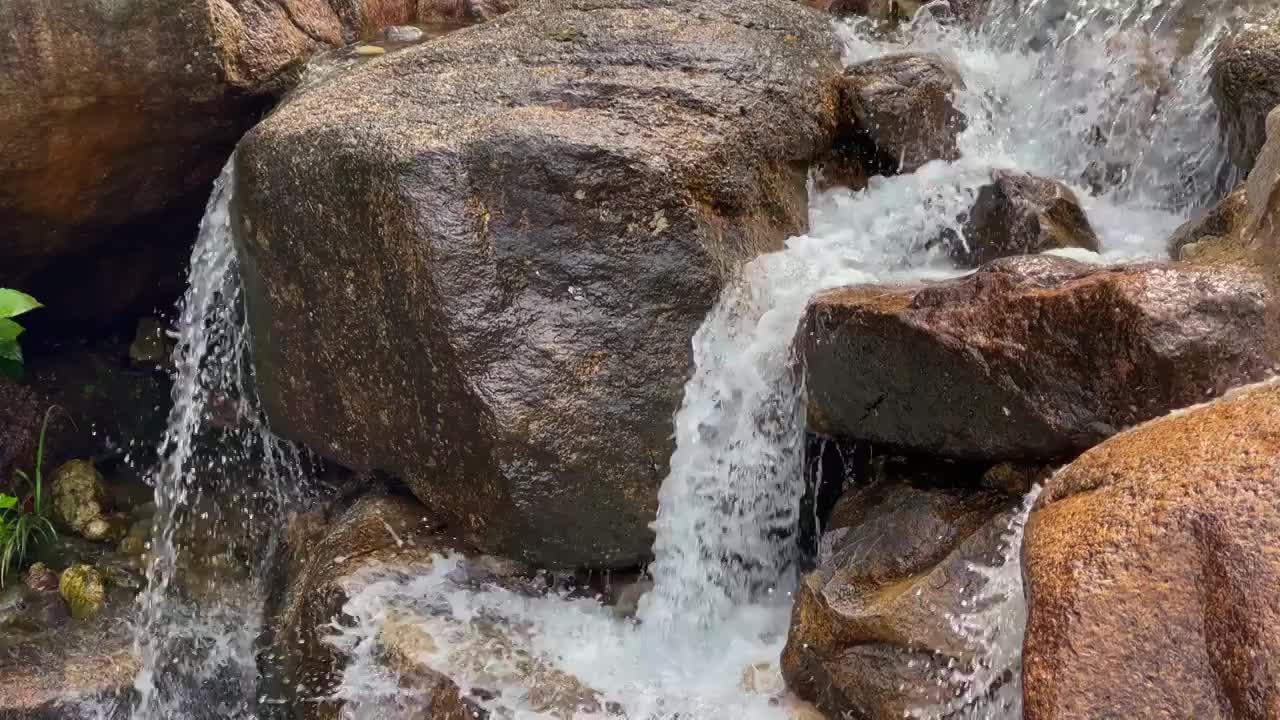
(22, 524)
(12, 304)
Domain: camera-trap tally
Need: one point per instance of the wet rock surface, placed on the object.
(329, 560)
(542, 211)
(19, 426)
(902, 106)
(1246, 86)
(1032, 357)
(1154, 589)
(1020, 214)
(873, 633)
(117, 116)
(1210, 234)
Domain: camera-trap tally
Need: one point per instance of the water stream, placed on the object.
(1104, 92)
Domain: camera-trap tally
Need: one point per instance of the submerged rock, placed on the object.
(79, 496)
(522, 226)
(1153, 584)
(118, 117)
(874, 633)
(1020, 214)
(84, 590)
(1246, 86)
(1030, 358)
(904, 106)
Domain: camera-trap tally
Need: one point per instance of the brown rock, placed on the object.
(19, 427)
(1020, 214)
(871, 633)
(116, 117)
(1213, 231)
(524, 224)
(903, 105)
(1154, 579)
(325, 568)
(1245, 83)
(1032, 357)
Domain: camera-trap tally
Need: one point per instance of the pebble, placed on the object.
(404, 34)
(370, 50)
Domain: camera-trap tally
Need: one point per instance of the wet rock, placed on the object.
(1245, 84)
(1020, 214)
(893, 12)
(873, 632)
(1154, 589)
(403, 34)
(119, 116)
(79, 496)
(326, 565)
(903, 104)
(41, 579)
(151, 347)
(84, 589)
(558, 200)
(1030, 358)
(1213, 231)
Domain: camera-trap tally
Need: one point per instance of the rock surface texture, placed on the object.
(1246, 86)
(1154, 584)
(870, 633)
(1030, 357)
(903, 106)
(477, 263)
(116, 116)
(1020, 214)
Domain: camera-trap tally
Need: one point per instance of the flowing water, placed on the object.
(1108, 95)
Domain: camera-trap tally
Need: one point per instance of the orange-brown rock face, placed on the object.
(1153, 571)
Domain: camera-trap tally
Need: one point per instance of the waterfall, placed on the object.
(221, 483)
(1104, 93)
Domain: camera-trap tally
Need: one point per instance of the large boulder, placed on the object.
(877, 631)
(903, 105)
(1245, 84)
(1153, 581)
(477, 263)
(1030, 357)
(1021, 214)
(115, 118)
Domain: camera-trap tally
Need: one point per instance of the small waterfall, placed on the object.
(220, 485)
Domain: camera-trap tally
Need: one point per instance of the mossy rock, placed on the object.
(83, 588)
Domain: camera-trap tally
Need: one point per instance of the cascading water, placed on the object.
(1108, 95)
(221, 481)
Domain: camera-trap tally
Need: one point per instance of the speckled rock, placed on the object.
(19, 426)
(1029, 358)
(84, 589)
(1020, 214)
(523, 225)
(1154, 582)
(903, 106)
(871, 632)
(116, 116)
(79, 496)
(1246, 85)
(329, 560)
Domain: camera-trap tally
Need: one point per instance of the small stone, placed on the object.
(404, 34)
(133, 546)
(83, 589)
(41, 579)
(151, 346)
(78, 494)
(370, 50)
(97, 530)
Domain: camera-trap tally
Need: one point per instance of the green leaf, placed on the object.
(11, 369)
(9, 330)
(7, 501)
(15, 302)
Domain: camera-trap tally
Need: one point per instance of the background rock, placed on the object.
(903, 104)
(1198, 238)
(1029, 358)
(1154, 588)
(522, 226)
(115, 118)
(1020, 214)
(1246, 86)
(871, 633)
